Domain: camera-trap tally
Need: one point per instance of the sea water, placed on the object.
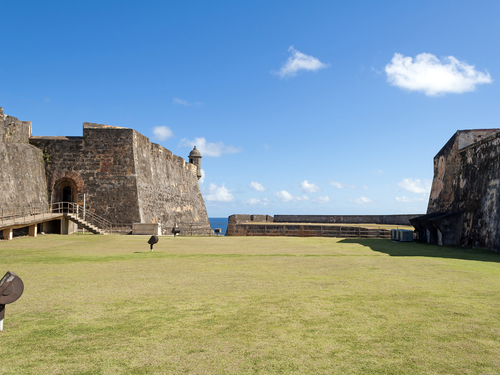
(218, 222)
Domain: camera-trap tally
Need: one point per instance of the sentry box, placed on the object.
(11, 288)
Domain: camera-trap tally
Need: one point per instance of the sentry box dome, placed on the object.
(11, 288)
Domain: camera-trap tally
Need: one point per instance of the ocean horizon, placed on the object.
(218, 222)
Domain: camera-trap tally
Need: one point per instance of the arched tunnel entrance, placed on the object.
(65, 191)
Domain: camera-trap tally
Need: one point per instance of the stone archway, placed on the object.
(65, 190)
(59, 180)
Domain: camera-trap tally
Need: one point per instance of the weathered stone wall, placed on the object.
(167, 187)
(125, 178)
(447, 167)
(100, 165)
(466, 191)
(22, 177)
(478, 193)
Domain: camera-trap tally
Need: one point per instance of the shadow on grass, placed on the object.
(417, 249)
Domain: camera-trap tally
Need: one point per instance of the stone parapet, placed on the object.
(347, 219)
(239, 219)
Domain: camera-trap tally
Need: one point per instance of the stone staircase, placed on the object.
(84, 224)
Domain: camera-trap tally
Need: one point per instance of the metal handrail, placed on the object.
(18, 215)
(87, 215)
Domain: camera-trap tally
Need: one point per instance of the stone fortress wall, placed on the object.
(22, 179)
(167, 187)
(464, 204)
(125, 178)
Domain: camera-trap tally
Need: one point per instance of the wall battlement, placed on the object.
(22, 180)
(12, 130)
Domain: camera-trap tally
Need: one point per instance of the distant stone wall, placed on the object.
(22, 177)
(241, 219)
(279, 225)
(327, 219)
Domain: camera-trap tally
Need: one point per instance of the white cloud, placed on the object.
(181, 102)
(409, 200)
(202, 179)
(377, 171)
(256, 201)
(219, 194)
(185, 102)
(322, 200)
(433, 76)
(306, 187)
(256, 186)
(299, 61)
(162, 132)
(361, 200)
(416, 186)
(209, 149)
(285, 196)
(340, 185)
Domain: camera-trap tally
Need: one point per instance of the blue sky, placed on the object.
(298, 107)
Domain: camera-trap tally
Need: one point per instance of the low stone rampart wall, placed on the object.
(320, 225)
(347, 219)
(276, 229)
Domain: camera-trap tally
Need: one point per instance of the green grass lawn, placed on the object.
(249, 305)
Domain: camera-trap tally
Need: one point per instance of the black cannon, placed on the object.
(11, 288)
(176, 230)
(153, 240)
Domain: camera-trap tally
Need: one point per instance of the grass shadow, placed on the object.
(418, 249)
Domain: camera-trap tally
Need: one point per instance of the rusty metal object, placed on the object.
(176, 230)
(11, 288)
(153, 240)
